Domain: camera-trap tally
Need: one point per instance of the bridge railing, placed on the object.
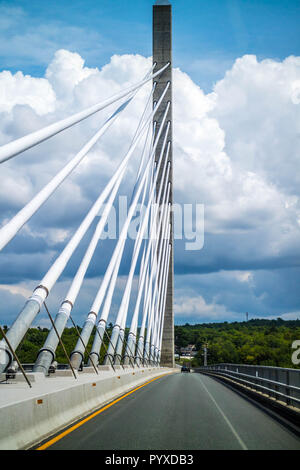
(280, 383)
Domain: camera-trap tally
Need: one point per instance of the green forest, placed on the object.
(257, 342)
(35, 337)
(260, 342)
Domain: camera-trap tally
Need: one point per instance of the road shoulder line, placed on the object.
(57, 438)
(239, 439)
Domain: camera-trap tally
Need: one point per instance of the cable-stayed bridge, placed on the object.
(44, 400)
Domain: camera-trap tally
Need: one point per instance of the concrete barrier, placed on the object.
(40, 413)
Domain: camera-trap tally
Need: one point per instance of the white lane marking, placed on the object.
(241, 442)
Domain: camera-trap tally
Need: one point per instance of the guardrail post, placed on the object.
(288, 401)
(256, 381)
(276, 386)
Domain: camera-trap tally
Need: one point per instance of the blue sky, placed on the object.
(207, 35)
(236, 143)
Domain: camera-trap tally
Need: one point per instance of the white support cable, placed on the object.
(71, 296)
(159, 279)
(78, 279)
(112, 282)
(91, 320)
(101, 325)
(140, 343)
(12, 149)
(91, 317)
(153, 169)
(145, 287)
(58, 266)
(150, 272)
(107, 304)
(118, 261)
(147, 316)
(155, 301)
(164, 280)
(108, 299)
(130, 347)
(33, 304)
(123, 309)
(145, 268)
(152, 229)
(9, 230)
(47, 353)
(118, 347)
(154, 274)
(121, 336)
(157, 288)
(151, 247)
(150, 318)
(99, 298)
(160, 287)
(155, 332)
(139, 284)
(142, 261)
(142, 118)
(163, 304)
(144, 153)
(134, 321)
(44, 358)
(145, 242)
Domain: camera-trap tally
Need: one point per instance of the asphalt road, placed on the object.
(181, 412)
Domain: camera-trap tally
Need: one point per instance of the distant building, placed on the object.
(189, 350)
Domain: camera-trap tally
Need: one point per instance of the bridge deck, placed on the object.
(29, 415)
(181, 411)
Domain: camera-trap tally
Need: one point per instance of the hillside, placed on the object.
(261, 342)
(264, 342)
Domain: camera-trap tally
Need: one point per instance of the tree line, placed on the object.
(34, 339)
(257, 342)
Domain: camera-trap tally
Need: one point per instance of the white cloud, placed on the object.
(284, 316)
(243, 276)
(65, 72)
(25, 90)
(197, 309)
(16, 289)
(238, 145)
(256, 107)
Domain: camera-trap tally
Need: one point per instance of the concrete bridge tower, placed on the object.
(162, 54)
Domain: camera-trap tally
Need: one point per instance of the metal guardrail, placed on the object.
(277, 382)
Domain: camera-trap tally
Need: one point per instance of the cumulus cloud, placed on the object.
(235, 151)
(65, 72)
(260, 97)
(25, 90)
(196, 309)
(243, 145)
